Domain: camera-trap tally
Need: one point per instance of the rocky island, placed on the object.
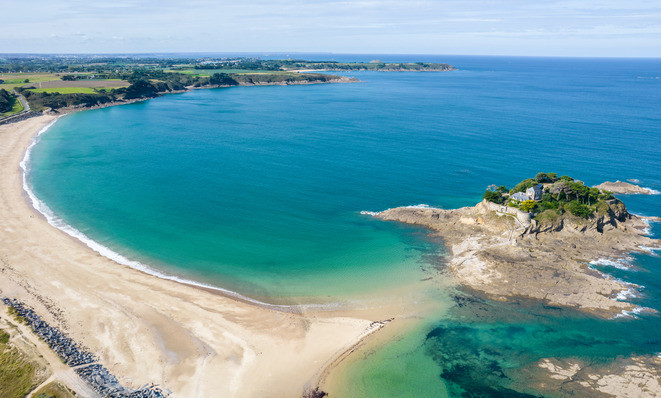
(537, 240)
(625, 188)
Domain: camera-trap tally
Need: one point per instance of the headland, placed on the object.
(540, 245)
(542, 240)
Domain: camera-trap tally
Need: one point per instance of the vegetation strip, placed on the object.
(75, 355)
(63, 82)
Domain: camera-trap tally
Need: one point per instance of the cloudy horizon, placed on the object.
(477, 27)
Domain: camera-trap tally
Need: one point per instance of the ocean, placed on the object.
(266, 192)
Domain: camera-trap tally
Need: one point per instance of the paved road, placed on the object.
(24, 102)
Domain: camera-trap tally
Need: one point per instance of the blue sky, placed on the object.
(626, 28)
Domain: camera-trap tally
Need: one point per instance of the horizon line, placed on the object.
(208, 53)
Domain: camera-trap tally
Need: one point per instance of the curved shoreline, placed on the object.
(177, 328)
(41, 208)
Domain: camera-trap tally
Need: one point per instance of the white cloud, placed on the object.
(434, 26)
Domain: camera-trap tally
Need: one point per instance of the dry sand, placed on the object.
(145, 329)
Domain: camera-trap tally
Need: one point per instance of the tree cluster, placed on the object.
(560, 194)
(56, 100)
(140, 89)
(6, 101)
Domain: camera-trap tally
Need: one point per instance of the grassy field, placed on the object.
(209, 72)
(17, 375)
(109, 83)
(53, 390)
(13, 80)
(65, 90)
(52, 80)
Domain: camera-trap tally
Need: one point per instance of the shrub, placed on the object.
(495, 197)
(528, 205)
(523, 185)
(549, 216)
(578, 209)
(222, 79)
(546, 177)
(548, 204)
(6, 101)
(602, 208)
(140, 89)
(4, 337)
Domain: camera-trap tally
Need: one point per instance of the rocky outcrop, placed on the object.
(625, 188)
(611, 214)
(637, 376)
(494, 253)
(77, 356)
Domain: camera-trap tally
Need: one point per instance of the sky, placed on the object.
(600, 28)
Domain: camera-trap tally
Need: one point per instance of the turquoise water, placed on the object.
(259, 190)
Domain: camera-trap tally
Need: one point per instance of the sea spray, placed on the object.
(621, 263)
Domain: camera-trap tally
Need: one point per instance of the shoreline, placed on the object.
(76, 108)
(158, 321)
(42, 209)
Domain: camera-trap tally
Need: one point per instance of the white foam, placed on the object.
(420, 206)
(649, 249)
(375, 213)
(60, 224)
(623, 263)
(632, 314)
(651, 191)
(626, 294)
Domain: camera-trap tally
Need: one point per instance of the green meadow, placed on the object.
(209, 72)
(66, 90)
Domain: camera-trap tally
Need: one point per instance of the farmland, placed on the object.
(54, 82)
(65, 90)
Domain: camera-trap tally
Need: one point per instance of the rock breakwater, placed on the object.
(75, 355)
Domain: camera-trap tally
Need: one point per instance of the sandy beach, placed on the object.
(193, 342)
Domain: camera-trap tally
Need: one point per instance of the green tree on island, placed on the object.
(528, 205)
(559, 196)
(493, 196)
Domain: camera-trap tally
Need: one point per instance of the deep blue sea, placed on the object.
(259, 190)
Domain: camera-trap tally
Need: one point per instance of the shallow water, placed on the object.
(259, 190)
